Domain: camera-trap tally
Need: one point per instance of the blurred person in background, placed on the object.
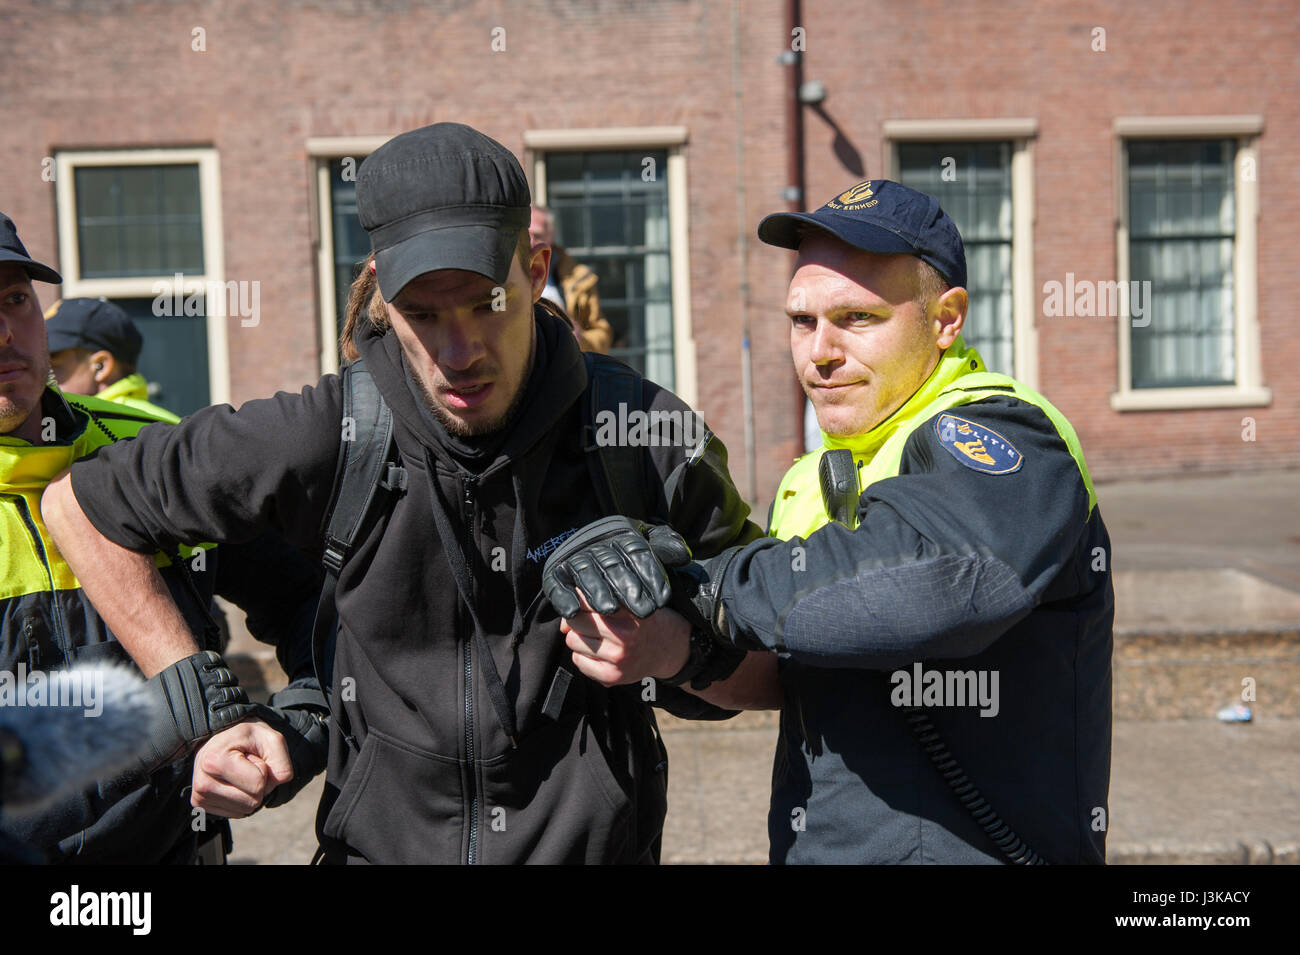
(94, 350)
(572, 286)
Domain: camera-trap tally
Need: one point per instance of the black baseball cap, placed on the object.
(94, 324)
(441, 197)
(879, 215)
(13, 250)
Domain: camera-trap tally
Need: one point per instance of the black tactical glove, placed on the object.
(617, 562)
(198, 697)
(612, 563)
(306, 734)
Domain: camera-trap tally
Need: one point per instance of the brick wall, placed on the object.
(119, 74)
(1026, 59)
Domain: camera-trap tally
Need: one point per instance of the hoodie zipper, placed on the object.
(471, 855)
(60, 629)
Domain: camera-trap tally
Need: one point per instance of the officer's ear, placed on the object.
(104, 368)
(947, 315)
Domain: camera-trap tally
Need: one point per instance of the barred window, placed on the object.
(972, 182)
(1182, 217)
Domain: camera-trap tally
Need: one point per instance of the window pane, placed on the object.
(1181, 237)
(614, 280)
(605, 166)
(138, 220)
(571, 225)
(972, 182)
(174, 359)
(351, 243)
(564, 167)
(615, 222)
(608, 224)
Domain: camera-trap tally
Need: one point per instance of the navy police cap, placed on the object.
(879, 216)
(93, 324)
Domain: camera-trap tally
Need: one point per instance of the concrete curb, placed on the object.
(1246, 852)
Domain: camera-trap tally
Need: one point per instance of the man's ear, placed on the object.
(948, 315)
(104, 368)
(539, 267)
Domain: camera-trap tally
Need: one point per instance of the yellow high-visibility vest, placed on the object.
(960, 378)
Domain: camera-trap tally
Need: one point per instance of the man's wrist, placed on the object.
(680, 656)
(198, 696)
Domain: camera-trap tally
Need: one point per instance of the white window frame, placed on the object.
(322, 150)
(541, 142)
(1021, 134)
(214, 263)
(1248, 389)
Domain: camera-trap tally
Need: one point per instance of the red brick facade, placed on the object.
(124, 74)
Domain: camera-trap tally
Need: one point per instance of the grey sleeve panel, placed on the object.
(945, 606)
(220, 475)
(945, 558)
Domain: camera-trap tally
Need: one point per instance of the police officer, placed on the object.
(143, 814)
(94, 350)
(935, 581)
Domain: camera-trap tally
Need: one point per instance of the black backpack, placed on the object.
(366, 474)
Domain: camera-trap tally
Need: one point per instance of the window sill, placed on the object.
(1170, 399)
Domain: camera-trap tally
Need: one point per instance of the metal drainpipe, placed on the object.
(742, 250)
(794, 160)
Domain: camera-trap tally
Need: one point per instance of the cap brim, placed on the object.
(787, 229)
(42, 273)
(486, 250)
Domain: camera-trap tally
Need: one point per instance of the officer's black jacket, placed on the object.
(421, 768)
(959, 570)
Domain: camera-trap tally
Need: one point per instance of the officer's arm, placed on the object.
(946, 558)
(220, 475)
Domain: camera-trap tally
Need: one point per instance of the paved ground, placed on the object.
(1199, 562)
(1181, 791)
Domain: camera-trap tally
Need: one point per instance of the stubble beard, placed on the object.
(463, 429)
(13, 411)
(832, 412)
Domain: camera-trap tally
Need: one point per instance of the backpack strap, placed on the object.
(363, 469)
(617, 470)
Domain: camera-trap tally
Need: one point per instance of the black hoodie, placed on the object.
(446, 650)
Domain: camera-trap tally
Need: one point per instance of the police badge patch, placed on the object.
(977, 447)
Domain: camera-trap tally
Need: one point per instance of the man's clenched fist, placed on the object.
(622, 648)
(238, 768)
